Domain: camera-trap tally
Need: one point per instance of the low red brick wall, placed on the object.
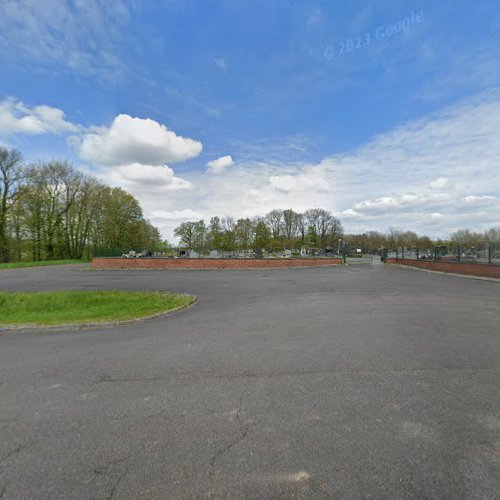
(483, 270)
(119, 263)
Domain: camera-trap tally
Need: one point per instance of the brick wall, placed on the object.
(484, 270)
(119, 263)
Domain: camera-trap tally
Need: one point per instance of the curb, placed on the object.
(468, 276)
(209, 268)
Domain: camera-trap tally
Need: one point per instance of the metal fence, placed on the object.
(485, 253)
(131, 252)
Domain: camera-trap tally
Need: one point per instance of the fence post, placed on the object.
(397, 253)
(403, 252)
(489, 253)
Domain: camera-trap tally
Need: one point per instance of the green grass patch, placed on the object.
(62, 307)
(13, 265)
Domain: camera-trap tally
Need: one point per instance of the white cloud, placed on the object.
(220, 63)
(307, 181)
(439, 183)
(432, 175)
(382, 202)
(220, 165)
(475, 199)
(142, 179)
(153, 185)
(136, 140)
(132, 153)
(82, 36)
(350, 214)
(178, 215)
(17, 118)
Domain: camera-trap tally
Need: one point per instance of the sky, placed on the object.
(386, 113)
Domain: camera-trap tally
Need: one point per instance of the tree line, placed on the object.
(50, 210)
(373, 241)
(314, 229)
(277, 230)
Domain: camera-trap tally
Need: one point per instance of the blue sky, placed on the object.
(386, 114)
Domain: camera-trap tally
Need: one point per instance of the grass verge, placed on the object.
(83, 307)
(13, 265)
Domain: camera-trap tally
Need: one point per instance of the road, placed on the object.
(346, 382)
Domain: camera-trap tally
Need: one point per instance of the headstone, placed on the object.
(214, 254)
(303, 252)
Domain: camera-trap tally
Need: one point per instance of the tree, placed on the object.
(200, 236)
(119, 220)
(394, 239)
(262, 235)
(290, 223)
(274, 220)
(327, 228)
(244, 233)
(54, 211)
(466, 238)
(186, 232)
(302, 227)
(409, 239)
(334, 232)
(311, 237)
(11, 172)
(492, 235)
(81, 216)
(215, 234)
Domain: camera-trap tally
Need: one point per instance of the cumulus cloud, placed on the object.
(142, 180)
(432, 175)
(220, 165)
(17, 118)
(306, 181)
(136, 140)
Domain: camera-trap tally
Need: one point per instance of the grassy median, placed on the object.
(63, 307)
(39, 263)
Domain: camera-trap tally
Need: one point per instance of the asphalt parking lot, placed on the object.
(341, 382)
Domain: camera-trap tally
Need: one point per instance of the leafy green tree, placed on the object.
(11, 172)
(312, 237)
(262, 235)
(120, 218)
(244, 233)
(200, 236)
(186, 232)
(215, 234)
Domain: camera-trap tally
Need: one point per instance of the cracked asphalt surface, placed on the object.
(346, 382)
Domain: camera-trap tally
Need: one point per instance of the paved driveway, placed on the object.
(350, 382)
